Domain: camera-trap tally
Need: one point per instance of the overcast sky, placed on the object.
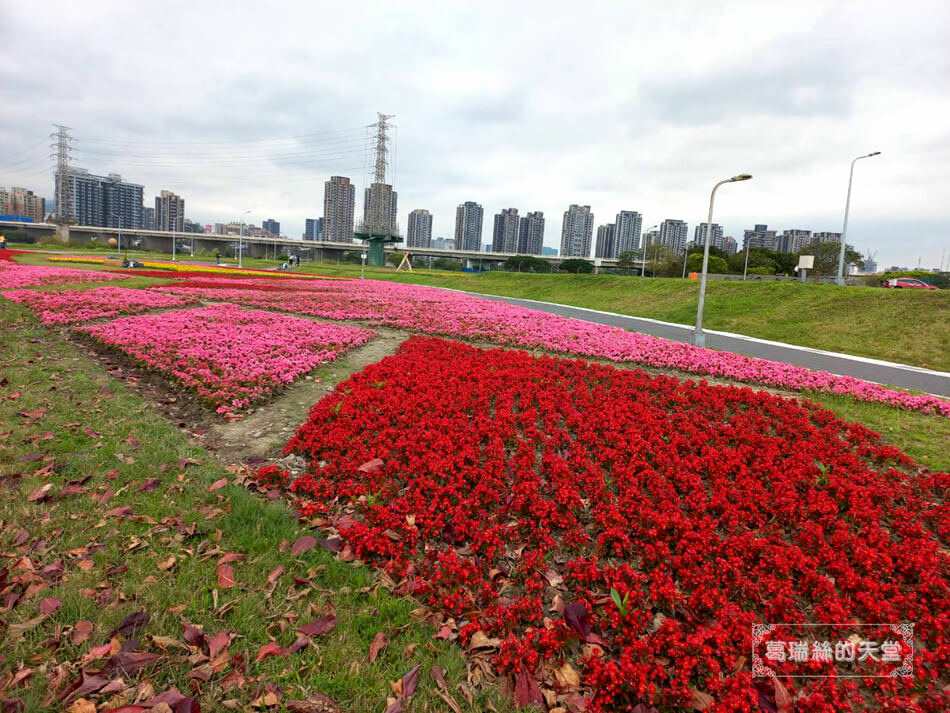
(627, 105)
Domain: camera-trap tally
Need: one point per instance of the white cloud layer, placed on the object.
(535, 105)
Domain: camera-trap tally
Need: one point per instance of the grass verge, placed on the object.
(92, 478)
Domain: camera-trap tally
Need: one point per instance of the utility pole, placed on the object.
(62, 151)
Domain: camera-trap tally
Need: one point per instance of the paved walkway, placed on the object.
(882, 372)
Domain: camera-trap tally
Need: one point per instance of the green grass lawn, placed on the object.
(904, 326)
(62, 419)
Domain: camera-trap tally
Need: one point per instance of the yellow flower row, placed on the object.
(186, 267)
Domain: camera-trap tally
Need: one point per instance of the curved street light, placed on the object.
(699, 337)
(847, 207)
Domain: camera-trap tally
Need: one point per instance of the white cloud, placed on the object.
(536, 105)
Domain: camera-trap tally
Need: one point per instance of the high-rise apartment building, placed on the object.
(673, 234)
(468, 226)
(531, 234)
(627, 229)
(794, 240)
(313, 229)
(22, 203)
(169, 212)
(606, 246)
(699, 235)
(577, 229)
(419, 229)
(272, 226)
(379, 209)
(148, 218)
(106, 201)
(339, 204)
(505, 234)
(729, 245)
(760, 237)
(825, 237)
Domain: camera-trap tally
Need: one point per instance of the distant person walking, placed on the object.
(217, 257)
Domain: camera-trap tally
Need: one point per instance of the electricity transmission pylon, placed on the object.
(62, 150)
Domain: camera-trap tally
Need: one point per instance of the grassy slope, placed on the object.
(51, 374)
(905, 326)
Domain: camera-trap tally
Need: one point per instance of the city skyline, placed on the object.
(790, 94)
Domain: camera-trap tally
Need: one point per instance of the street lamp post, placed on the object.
(363, 261)
(643, 258)
(699, 337)
(847, 207)
(241, 241)
(745, 269)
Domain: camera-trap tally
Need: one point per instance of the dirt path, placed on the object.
(264, 433)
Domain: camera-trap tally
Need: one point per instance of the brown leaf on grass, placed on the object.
(201, 673)
(188, 704)
(395, 707)
(41, 494)
(275, 574)
(125, 663)
(50, 605)
(21, 537)
(193, 635)
(315, 703)
(218, 642)
(567, 676)
(88, 685)
(379, 642)
(167, 564)
(225, 576)
(17, 629)
(303, 544)
(120, 512)
(130, 624)
(229, 557)
(233, 681)
(301, 642)
(480, 640)
(438, 675)
(20, 676)
(271, 648)
(527, 690)
(411, 680)
(334, 544)
(318, 627)
(82, 705)
(217, 485)
(149, 484)
(82, 630)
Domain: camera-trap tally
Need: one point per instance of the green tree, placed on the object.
(826, 258)
(627, 262)
(576, 265)
(716, 265)
(444, 263)
(526, 263)
(758, 257)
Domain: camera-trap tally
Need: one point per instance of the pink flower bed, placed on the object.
(13, 275)
(74, 306)
(230, 356)
(434, 311)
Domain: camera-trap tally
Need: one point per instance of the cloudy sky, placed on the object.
(535, 105)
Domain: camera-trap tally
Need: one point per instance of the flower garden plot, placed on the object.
(74, 306)
(13, 275)
(230, 356)
(187, 269)
(442, 312)
(581, 520)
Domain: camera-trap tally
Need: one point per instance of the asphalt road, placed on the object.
(907, 377)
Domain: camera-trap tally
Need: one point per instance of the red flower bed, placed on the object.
(632, 526)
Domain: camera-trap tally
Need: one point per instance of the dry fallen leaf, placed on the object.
(379, 641)
(225, 576)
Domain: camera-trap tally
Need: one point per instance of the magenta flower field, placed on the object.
(230, 356)
(442, 312)
(74, 306)
(13, 276)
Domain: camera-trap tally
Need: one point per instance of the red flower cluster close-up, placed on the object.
(635, 527)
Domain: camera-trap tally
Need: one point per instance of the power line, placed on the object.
(219, 143)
